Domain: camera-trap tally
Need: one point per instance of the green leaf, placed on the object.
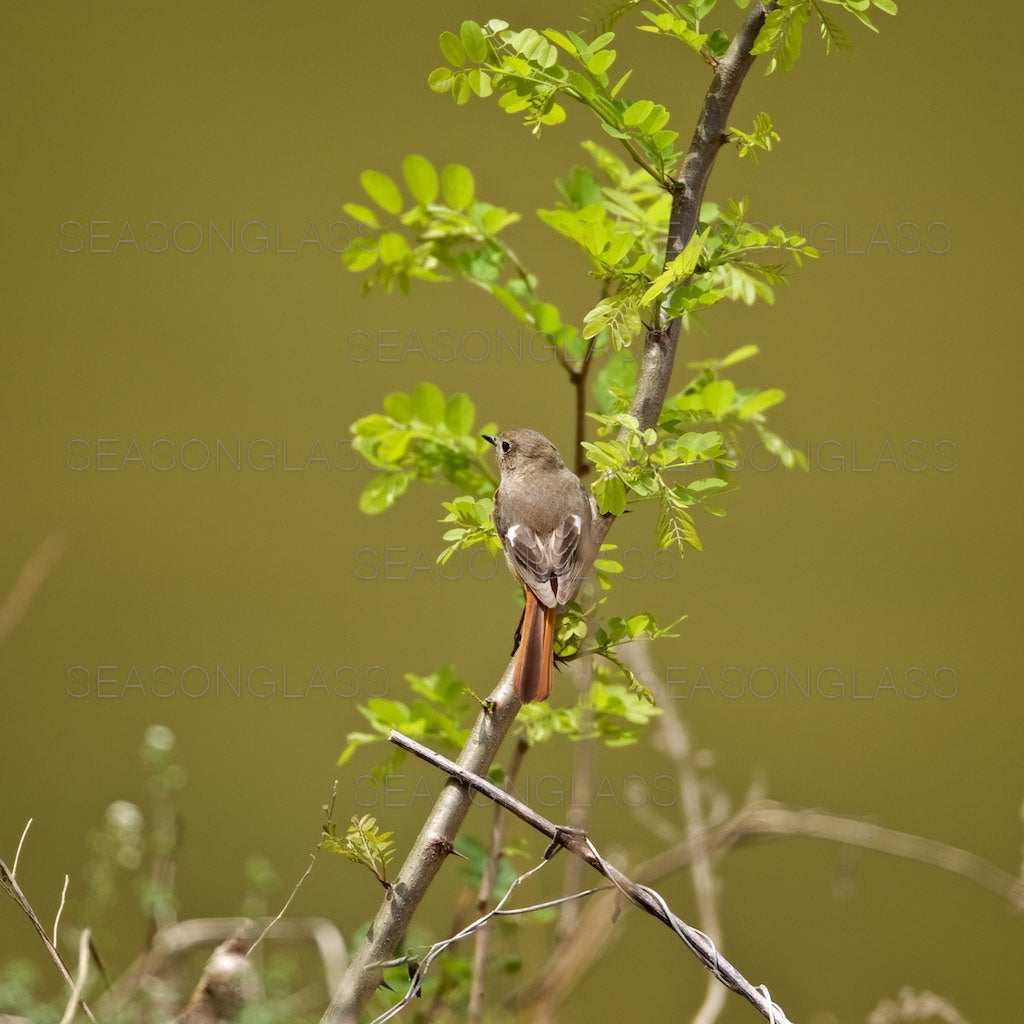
(562, 41)
(610, 493)
(717, 397)
(480, 82)
(382, 492)
(473, 41)
(421, 178)
(738, 355)
(756, 404)
(459, 414)
(619, 314)
(452, 48)
(554, 115)
(382, 190)
(457, 186)
(357, 259)
(441, 80)
(397, 405)
(428, 404)
(462, 90)
(362, 213)
(680, 268)
(637, 112)
(601, 62)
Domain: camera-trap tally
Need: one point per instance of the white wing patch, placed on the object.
(550, 566)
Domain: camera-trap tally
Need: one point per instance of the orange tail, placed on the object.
(536, 653)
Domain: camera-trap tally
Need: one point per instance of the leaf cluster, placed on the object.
(363, 843)
(611, 712)
(421, 436)
(533, 70)
(781, 37)
(440, 714)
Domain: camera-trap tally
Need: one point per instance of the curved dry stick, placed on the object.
(83, 972)
(760, 821)
(475, 1012)
(776, 820)
(32, 576)
(10, 885)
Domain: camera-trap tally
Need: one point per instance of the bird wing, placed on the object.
(550, 566)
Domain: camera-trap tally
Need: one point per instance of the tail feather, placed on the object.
(532, 680)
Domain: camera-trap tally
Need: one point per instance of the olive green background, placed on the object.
(888, 574)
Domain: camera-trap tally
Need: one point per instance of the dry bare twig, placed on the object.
(33, 573)
(10, 885)
(642, 896)
(328, 815)
(420, 966)
(673, 736)
(84, 946)
(475, 1013)
(761, 821)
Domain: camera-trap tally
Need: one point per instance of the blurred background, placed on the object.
(176, 402)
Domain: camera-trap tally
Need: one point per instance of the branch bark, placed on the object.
(435, 840)
(428, 853)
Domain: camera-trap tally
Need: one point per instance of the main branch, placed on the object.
(437, 836)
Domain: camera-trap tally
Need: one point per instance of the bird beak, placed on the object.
(489, 439)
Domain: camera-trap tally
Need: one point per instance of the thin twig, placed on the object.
(775, 820)
(21, 843)
(642, 896)
(758, 822)
(578, 379)
(32, 576)
(419, 966)
(584, 760)
(423, 965)
(11, 887)
(675, 740)
(478, 981)
(84, 944)
(60, 909)
(329, 814)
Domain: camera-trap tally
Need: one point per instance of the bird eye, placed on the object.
(506, 447)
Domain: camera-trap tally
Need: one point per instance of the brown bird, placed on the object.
(544, 516)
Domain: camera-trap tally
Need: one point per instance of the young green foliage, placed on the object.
(432, 226)
(782, 34)
(761, 136)
(441, 715)
(422, 436)
(533, 70)
(363, 843)
(610, 712)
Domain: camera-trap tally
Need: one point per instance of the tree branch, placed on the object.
(577, 843)
(10, 885)
(32, 576)
(760, 821)
(438, 833)
(428, 853)
(660, 343)
(475, 1013)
